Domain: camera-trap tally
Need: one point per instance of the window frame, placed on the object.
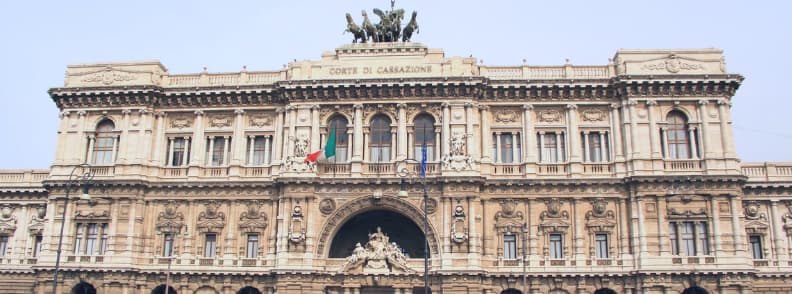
(755, 243)
(380, 139)
(341, 125)
(210, 247)
(601, 246)
(252, 246)
(555, 246)
(510, 246)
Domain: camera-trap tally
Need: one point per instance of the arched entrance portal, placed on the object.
(248, 290)
(399, 229)
(695, 290)
(511, 291)
(161, 290)
(605, 291)
(83, 288)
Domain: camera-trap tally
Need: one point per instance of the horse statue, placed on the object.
(411, 27)
(369, 28)
(357, 33)
(396, 17)
(385, 25)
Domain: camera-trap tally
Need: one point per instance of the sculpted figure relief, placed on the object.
(377, 256)
(389, 28)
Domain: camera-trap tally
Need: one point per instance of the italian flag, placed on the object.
(329, 149)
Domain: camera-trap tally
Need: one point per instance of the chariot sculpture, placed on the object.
(389, 28)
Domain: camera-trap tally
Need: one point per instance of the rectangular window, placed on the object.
(596, 142)
(252, 246)
(176, 151)
(258, 151)
(756, 246)
(509, 246)
(216, 152)
(703, 239)
(90, 240)
(167, 246)
(688, 238)
(210, 247)
(3, 244)
(672, 234)
(103, 239)
(507, 145)
(78, 239)
(556, 246)
(551, 148)
(601, 245)
(37, 240)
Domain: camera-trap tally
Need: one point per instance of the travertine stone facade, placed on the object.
(541, 179)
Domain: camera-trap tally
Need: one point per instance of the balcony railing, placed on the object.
(597, 168)
(767, 171)
(333, 168)
(173, 172)
(215, 171)
(681, 165)
(552, 168)
(256, 171)
(379, 168)
(103, 171)
(507, 169)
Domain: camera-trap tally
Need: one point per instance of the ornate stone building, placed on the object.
(616, 178)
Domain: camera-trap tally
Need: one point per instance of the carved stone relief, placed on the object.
(549, 116)
(220, 121)
(253, 220)
(379, 255)
(673, 64)
(508, 219)
(431, 206)
(434, 110)
(592, 115)
(553, 219)
(260, 120)
(108, 76)
(327, 206)
(599, 218)
(506, 116)
(297, 228)
(36, 224)
(8, 221)
(170, 221)
(457, 159)
(180, 121)
(211, 220)
(459, 230)
(756, 220)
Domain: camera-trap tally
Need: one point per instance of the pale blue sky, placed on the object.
(39, 38)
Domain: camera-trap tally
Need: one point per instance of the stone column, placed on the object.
(578, 242)
(113, 151)
(185, 153)
(170, 152)
(251, 146)
(210, 154)
(498, 146)
(226, 143)
(529, 134)
(159, 140)
(145, 138)
(316, 141)
(357, 154)
(778, 234)
(624, 231)
(486, 135)
(199, 149)
(81, 155)
(738, 233)
(664, 141)
(574, 134)
(437, 155)
(586, 153)
(469, 143)
(727, 136)
(267, 149)
(394, 141)
(277, 140)
(122, 150)
(653, 132)
(401, 130)
(604, 156)
(91, 141)
(662, 237)
(560, 154)
(446, 128)
(615, 127)
(410, 144)
(641, 229)
(292, 129)
(367, 157)
(693, 146)
(349, 145)
(705, 141)
(239, 142)
(515, 156)
(633, 146)
(716, 225)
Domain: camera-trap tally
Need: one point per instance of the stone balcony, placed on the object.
(767, 171)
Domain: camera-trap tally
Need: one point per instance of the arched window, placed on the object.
(677, 136)
(380, 139)
(83, 288)
(104, 145)
(338, 123)
(424, 135)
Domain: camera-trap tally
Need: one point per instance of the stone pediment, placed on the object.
(382, 60)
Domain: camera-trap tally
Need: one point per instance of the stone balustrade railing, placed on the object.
(767, 171)
(22, 178)
(223, 79)
(547, 72)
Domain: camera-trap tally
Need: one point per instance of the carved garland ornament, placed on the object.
(211, 220)
(220, 121)
(593, 115)
(253, 220)
(8, 221)
(170, 221)
(508, 220)
(599, 218)
(260, 120)
(553, 219)
(756, 221)
(549, 116)
(36, 224)
(673, 64)
(108, 77)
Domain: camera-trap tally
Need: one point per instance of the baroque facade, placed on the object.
(616, 178)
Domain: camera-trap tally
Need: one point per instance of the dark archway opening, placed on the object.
(605, 291)
(161, 290)
(695, 290)
(399, 229)
(511, 291)
(83, 288)
(248, 290)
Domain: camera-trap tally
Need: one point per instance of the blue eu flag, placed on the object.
(423, 160)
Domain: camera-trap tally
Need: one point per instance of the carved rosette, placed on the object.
(211, 220)
(170, 221)
(459, 230)
(297, 228)
(8, 221)
(431, 206)
(253, 220)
